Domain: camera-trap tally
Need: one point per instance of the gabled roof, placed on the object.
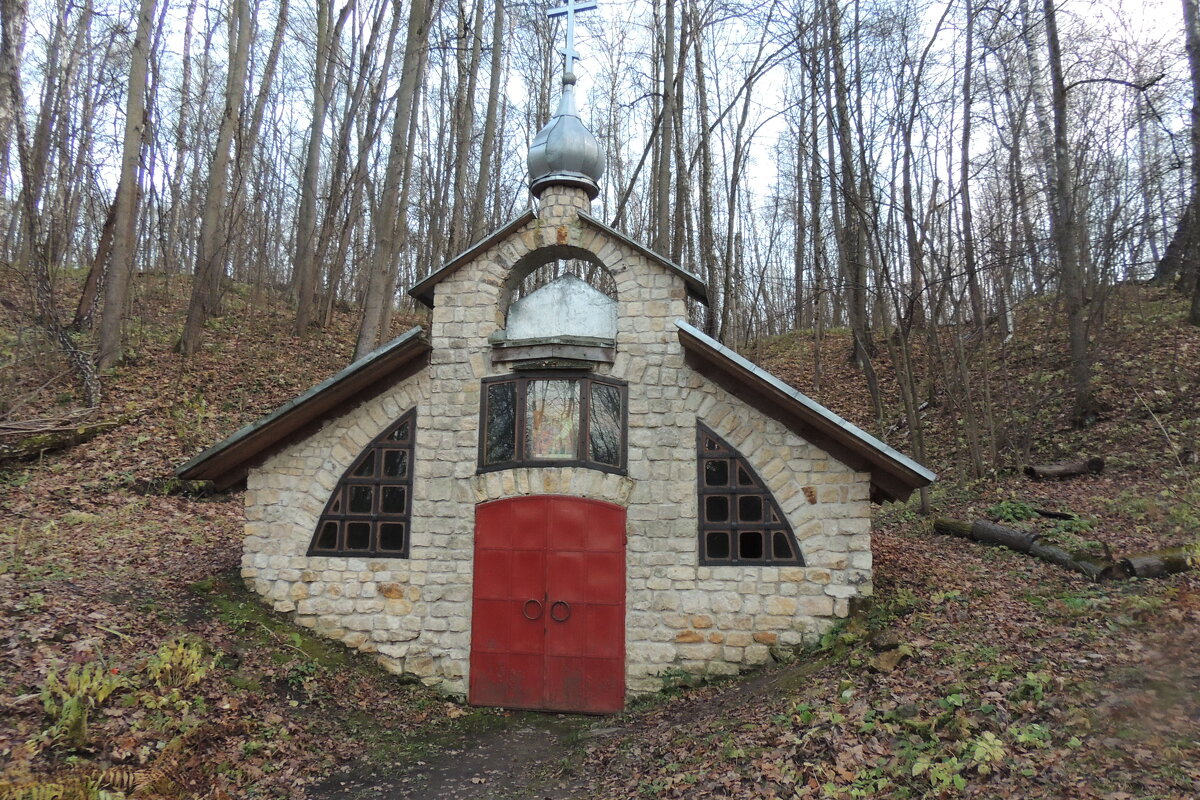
(423, 290)
(226, 463)
(894, 475)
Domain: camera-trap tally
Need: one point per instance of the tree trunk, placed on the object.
(1065, 231)
(116, 288)
(1158, 563)
(964, 181)
(88, 298)
(210, 250)
(488, 158)
(463, 125)
(304, 267)
(392, 215)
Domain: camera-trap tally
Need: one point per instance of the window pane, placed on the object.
(358, 535)
(391, 536)
(716, 473)
(750, 545)
(716, 544)
(360, 499)
(400, 434)
(501, 423)
(783, 550)
(750, 508)
(328, 538)
(744, 478)
(394, 500)
(604, 428)
(367, 468)
(395, 463)
(552, 419)
(716, 508)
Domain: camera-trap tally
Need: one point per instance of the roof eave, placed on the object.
(894, 476)
(227, 462)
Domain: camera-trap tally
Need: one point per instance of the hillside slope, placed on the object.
(1014, 676)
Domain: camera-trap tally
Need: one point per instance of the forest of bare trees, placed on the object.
(891, 167)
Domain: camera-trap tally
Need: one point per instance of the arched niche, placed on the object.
(560, 309)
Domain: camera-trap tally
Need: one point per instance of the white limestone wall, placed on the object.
(415, 613)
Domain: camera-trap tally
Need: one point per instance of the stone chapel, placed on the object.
(561, 490)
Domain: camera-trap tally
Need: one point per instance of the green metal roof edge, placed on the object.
(695, 284)
(301, 399)
(850, 428)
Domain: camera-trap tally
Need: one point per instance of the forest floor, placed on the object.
(131, 654)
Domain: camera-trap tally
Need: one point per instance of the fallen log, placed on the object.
(35, 443)
(1157, 563)
(1024, 542)
(1088, 466)
(987, 532)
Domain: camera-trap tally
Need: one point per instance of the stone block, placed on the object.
(354, 639)
(781, 606)
(815, 605)
(721, 668)
(421, 666)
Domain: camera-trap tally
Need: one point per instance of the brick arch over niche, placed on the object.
(598, 273)
(369, 512)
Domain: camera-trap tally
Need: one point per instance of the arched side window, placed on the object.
(369, 512)
(740, 522)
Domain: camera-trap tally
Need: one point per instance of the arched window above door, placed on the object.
(554, 419)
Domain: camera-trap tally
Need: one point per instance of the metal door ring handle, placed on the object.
(525, 609)
(554, 616)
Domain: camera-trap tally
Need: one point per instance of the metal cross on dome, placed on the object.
(569, 10)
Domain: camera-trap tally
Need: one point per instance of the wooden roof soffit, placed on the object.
(227, 463)
(894, 476)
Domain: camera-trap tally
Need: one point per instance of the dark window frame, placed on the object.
(337, 509)
(742, 482)
(585, 380)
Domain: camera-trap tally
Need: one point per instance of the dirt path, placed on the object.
(520, 756)
(510, 760)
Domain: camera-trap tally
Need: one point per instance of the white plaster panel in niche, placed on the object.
(568, 306)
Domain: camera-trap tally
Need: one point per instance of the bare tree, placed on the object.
(1182, 256)
(1064, 224)
(211, 247)
(393, 224)
(305, 263)
(116, 288)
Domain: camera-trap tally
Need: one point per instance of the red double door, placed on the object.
(548, 621)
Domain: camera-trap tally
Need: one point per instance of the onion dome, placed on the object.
(565, 153)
